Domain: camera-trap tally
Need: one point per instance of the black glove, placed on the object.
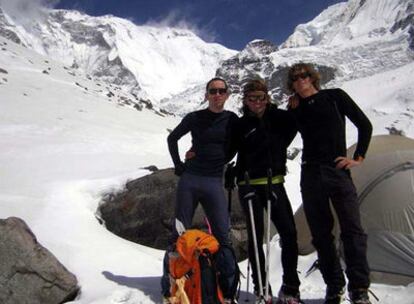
(230, 176)
(179, 169)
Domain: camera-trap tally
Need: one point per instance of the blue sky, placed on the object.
(232, 23)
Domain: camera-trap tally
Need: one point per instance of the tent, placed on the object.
(385, 186)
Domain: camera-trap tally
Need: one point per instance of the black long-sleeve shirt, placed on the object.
(210, 134)
(261, 143)
(321, 122)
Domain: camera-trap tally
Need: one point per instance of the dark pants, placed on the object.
(282, 218)
(318, 185)
(209, 191)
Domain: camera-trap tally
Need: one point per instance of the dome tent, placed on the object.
(385, 186)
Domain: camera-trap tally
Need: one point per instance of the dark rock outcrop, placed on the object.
(5, 29)
(248, 65)
(144, 210)
(29, 273)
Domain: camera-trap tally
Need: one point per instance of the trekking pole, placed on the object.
(229, 198)
(248, 281)
(249, 197)
(268, 194)
(229, 184)
(229, 206)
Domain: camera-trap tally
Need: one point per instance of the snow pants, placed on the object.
(319, 183)
(282, 218)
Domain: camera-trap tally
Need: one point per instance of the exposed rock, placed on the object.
(394, 131)
(292, 152)
(110, 94)
(147, 103)
(138, 107)
(237, 72)
(165, 112)
(151, 168)
(29, 273)
(255, 61)
(144, 210)
(6, 29)
(113, 71)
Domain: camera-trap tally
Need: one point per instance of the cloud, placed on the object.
(24, 12)
(177, 18)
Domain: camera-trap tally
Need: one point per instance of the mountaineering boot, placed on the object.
(288, 296)
(261, 299)
(359, 296)
(334, 296)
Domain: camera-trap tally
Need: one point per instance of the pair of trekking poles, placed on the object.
(265, 297)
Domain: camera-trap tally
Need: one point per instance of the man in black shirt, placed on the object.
(320, 117)
(201, 176)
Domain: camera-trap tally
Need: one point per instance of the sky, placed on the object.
(232, 23)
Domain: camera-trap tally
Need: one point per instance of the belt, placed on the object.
(278, 179)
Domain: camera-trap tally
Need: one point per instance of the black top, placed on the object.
(321, 122)
(210, 141)
(262, 142)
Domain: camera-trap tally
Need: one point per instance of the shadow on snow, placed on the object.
(150, 286)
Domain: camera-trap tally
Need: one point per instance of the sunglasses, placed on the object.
(214, 91)
(301, 76)
(255, 98)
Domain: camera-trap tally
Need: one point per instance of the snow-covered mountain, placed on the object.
(354, 39)
(349, 41)
(149, 61)
(357, 22)
(166, 68)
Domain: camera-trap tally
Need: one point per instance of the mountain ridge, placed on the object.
(166, 68)
(148, 61)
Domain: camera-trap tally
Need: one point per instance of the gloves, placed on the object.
(230, 176)
(179, 169)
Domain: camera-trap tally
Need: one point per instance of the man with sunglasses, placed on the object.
(261, 137)
(320, 116)
(201, 176)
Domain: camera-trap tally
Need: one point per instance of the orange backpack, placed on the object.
(192, 269)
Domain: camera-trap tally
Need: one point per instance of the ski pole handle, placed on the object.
(269, 184)
(269, 177)
(269, 180)
(247, 178)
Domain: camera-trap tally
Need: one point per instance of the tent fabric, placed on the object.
(393, 252)
(385, 187)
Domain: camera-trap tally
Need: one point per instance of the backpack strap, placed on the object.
(228, 271)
